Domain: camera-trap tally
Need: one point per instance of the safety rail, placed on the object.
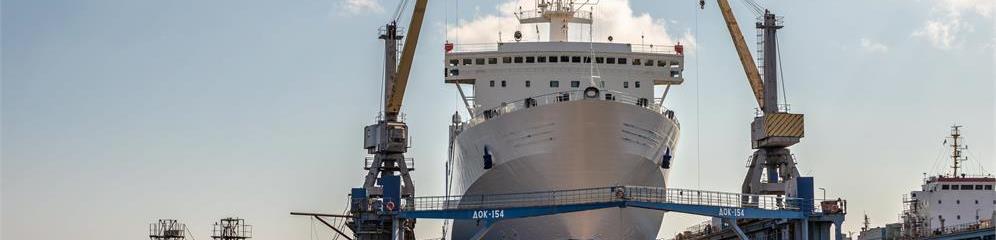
(963, 228)
(494, 47)
(537, 13)
(368, 162)
(606, 195)
(567, 96)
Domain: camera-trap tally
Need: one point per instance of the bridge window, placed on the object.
(625, 84)
(966, 187)
(636, 84)
(610, 60)
(454, 62)
(636, 61)
(541, 59)
(954, 187)
(587, 59)
(518, 59)
(528, 83)
(565, 59)
(575, 59)
(479, 61)
(554, 84)
(530, 59)
(466, 61)
(506, 60)
(945, 187)
(575, 84)
(492, 83)
(622, 60)
(662, 63)
(553, 59)
(492, 60)
(599, 60)
(978, 187)
(503, 83)
(989, 187)
(649, 63)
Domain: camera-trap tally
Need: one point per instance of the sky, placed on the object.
(119, 113)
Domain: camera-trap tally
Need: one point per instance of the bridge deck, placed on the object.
(516, 205)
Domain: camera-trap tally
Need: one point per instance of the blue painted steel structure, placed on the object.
(730, 206)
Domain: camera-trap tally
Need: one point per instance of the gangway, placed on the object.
(489, 209)
(522, 205)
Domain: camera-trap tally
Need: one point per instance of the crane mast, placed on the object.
(772, 168)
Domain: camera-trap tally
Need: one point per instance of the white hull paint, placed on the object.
(568, 145)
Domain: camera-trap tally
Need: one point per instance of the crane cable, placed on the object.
(698, 119)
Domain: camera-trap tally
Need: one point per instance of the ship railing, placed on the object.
(537, 13)
(567, 96)
(493, 47)
(961, 228)
(605, 195)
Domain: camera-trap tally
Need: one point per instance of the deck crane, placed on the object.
(773, 131)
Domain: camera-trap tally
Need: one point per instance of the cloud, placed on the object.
(354, 7)
(872, 46)
(946, 24)
(612, 18)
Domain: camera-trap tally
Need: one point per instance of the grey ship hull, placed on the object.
(569, 145)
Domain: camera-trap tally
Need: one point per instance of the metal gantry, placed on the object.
(492, 208)
(167, 229)
(231, 229)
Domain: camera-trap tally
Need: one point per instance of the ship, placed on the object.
(557, 115)
(946, 205)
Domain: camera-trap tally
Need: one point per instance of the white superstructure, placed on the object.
(951, 201)
(562, 115)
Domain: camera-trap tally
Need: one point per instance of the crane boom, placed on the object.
(750, 68)
(397, 92)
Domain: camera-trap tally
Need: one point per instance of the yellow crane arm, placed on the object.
(750, 68)
(407, 55)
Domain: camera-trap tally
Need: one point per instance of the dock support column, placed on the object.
(805, 229)
(736, 229)
(396, 233)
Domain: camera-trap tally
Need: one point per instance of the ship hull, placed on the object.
(569, 145)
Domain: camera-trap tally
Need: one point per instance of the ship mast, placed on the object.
(956, 148)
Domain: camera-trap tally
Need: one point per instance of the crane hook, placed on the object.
(701, 4)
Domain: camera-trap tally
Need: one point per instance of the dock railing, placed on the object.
(606, 195)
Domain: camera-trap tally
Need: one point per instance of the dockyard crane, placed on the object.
(775, 129)
(388, 181)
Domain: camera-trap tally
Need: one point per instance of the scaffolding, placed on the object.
(231, 229)
(167, 229)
